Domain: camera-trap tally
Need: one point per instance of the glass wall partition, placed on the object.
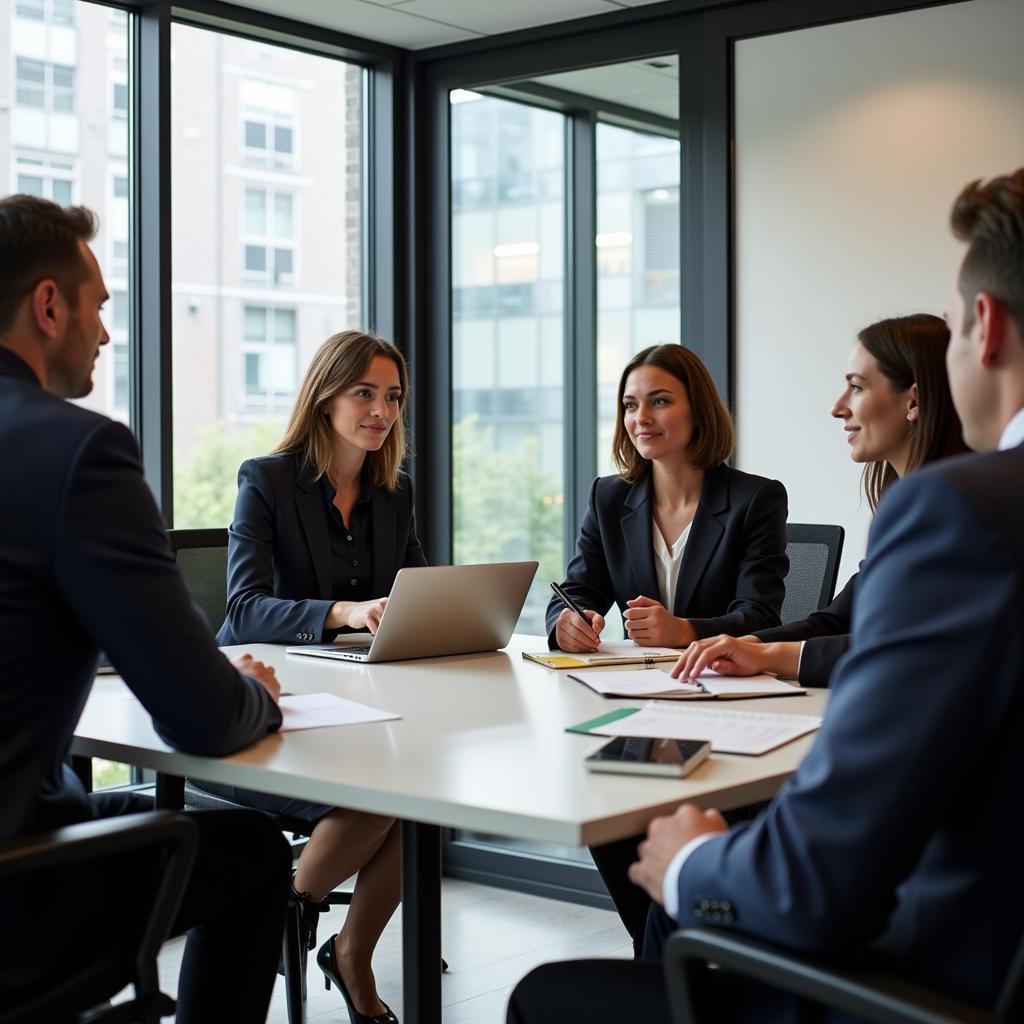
(527, 378)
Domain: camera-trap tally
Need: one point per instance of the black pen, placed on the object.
(569, 602)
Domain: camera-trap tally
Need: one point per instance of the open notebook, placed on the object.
(611, 652)
(644, 684)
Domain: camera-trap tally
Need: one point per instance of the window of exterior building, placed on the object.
(45, 86)
(269, 357)
(247, 314)
(268, 250)
(46, 178)
(508, 225)
(58, 12)
(268, 125)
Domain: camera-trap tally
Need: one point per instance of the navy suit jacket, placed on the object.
(734, 564)
(279, 552)
(894, 833)
(826, 636)
(84, 566)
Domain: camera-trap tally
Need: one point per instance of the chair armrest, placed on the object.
(174, 835)
(853, 988)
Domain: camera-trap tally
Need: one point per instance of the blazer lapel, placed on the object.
(638, 538)
(310, 504)
(705, 534)
(385, 546)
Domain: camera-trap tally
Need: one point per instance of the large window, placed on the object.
(267, 164)
(637, 258)
(508, 225)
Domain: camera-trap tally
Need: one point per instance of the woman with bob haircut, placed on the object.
(321, 528)
(686, 546)
(898, 415)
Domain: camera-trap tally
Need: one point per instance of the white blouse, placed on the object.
(666, 564)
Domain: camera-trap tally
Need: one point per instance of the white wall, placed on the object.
(852, 141)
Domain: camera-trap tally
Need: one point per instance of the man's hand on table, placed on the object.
(261, 672)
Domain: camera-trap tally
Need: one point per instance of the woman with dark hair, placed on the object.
(898, 414)
(321, 528)
(686, 546)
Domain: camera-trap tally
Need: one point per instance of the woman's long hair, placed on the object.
(340, 362)
(912, 350)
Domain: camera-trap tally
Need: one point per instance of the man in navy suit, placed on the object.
(85, 565)
(893, 835)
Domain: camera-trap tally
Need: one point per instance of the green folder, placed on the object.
(596, 723)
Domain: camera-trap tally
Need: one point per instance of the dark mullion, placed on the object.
(152, 413)
(430, 308)
(580, 368)
(380, 192)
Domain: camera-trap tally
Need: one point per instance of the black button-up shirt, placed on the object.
(351, 544)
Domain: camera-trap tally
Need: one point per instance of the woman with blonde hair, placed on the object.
(321, 528)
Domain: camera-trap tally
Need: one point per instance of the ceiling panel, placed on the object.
(383, 23)
(633, 83)
(505, 17)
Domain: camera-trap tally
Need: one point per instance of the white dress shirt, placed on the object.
(667, 562)
(1013, 434)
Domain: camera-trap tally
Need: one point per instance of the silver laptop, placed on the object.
(440, 609)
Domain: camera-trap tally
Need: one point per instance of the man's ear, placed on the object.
(47, 307)
(991, 321)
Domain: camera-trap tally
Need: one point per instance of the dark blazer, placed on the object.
(85, 565)
(826, 636)
(893, 834)
(731, 577)
(279, 552)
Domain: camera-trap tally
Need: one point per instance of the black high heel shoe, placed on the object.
(326, 962)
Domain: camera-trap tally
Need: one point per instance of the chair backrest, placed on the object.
(202, 557)
(814, 551)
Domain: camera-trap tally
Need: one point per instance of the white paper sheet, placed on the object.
(629, 649)
(730, 731)
(318, 710)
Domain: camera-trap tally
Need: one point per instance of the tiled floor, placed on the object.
(490, 939)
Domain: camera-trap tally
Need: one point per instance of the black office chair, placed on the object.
(858, 989)
(202, 556)
(814, 551)
(99, 972)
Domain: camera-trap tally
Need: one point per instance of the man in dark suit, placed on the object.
(892, 836)
(84, 566)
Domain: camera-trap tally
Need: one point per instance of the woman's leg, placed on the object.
(345, 842)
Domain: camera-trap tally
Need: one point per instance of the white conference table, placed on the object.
(481, 745)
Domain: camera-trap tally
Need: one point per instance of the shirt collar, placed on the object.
(1013, 435)
(11, 363)
(365, 487)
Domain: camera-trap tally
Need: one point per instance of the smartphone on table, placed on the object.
(638, 756)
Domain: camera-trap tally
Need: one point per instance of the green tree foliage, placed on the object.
(506, 509)
(206, 484)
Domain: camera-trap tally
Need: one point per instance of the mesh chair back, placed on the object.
(814, 552)
(202, 557)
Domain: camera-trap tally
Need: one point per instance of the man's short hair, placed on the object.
(989, 217)
(39, 240)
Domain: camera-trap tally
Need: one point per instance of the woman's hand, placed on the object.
(573, 636)
(356, 614)
(738, 656)
(649, 622)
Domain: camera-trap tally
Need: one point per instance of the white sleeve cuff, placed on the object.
(800, 657)
(670, 886)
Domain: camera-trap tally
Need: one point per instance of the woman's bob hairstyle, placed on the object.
(340, 362)
(714, 435)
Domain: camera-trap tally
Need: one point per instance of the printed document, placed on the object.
(318, 710)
